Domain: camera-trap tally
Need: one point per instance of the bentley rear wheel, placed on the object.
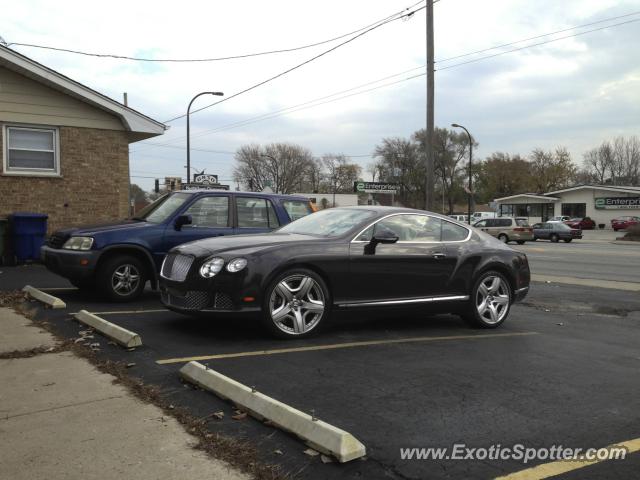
(490, 301)
(295, 304)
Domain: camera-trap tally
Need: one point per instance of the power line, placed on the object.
(215, 59)
(272, 114)
(536, 37)
(295, 108)
(226, 99)
(536, 44)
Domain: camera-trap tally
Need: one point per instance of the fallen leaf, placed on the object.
(311, 452)
(132, 364)
(218, 415)
(240, 416)
(326, 459)
(278, 452)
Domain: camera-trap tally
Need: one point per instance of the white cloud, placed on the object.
(574, 92)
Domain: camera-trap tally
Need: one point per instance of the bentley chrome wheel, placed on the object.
(297, 304)
(492, 299)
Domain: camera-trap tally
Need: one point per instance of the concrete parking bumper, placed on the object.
(316, 433)
(53, 302)
(122, 336)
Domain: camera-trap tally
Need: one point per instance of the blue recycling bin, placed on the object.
(28, 232)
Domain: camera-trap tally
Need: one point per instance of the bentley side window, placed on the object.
(453, 233)
(413, 228)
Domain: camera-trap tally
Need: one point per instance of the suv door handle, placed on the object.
(438, 255)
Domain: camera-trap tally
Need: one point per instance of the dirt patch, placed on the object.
(240, 454)
(12, 298)
(32, 352)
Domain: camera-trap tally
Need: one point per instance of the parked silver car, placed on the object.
(507, 229)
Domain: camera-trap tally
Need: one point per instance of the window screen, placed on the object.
(31, 149)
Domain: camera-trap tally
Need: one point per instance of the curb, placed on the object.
(53, 302)
(120, 335)
(626, 242)
(316, 433)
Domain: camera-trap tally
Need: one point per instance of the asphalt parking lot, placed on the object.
(563, 369)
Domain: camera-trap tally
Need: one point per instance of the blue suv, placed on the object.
(118, 259)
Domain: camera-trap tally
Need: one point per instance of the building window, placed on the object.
(506, 210)
(574, 210)
(30, 151)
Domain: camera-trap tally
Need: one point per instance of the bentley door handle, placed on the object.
(438, 255)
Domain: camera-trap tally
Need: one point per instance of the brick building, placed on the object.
(64, 147)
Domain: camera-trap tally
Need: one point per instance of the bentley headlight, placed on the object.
(211, 267)
(236, 265)
(78, 243)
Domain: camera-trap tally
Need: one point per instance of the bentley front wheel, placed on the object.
(296, 303)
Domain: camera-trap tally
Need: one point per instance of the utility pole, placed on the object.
(429, 179)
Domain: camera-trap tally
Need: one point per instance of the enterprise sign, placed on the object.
(616, 203)
(375, 187)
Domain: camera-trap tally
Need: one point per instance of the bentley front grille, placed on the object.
(176, 266)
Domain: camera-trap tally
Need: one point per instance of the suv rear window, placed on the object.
(297, 208)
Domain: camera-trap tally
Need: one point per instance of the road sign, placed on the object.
(375, 187)
(205, 179)
(203, 186)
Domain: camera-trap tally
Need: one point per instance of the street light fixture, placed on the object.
(189, 132)
(455, 125)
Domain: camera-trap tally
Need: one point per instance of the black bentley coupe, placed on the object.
(347, 258)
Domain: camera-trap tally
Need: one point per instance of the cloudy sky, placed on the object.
(573, 92)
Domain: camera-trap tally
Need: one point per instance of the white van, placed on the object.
(460, 218)
(482, 215)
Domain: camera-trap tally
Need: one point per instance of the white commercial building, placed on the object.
(326, 200)
(600, 202)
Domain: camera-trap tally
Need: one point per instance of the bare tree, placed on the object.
(552, 170)
(596, 164)
(280, 166)
(400, 163)
(616, 162)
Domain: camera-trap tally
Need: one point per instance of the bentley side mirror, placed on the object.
(384, 236)
(182, 220)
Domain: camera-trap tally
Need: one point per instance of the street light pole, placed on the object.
(189, 132)
(455, 125)
(275, 168)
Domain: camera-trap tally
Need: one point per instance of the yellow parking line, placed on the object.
(126, 312)
(57, 289)
(334, 346)
(552, 469)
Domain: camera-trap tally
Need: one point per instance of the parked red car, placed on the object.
(582, 223)
(622, 223)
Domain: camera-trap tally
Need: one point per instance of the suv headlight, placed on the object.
(236, 265)
(211, 267)
(78, 243)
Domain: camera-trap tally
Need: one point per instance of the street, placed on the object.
(587, 258)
